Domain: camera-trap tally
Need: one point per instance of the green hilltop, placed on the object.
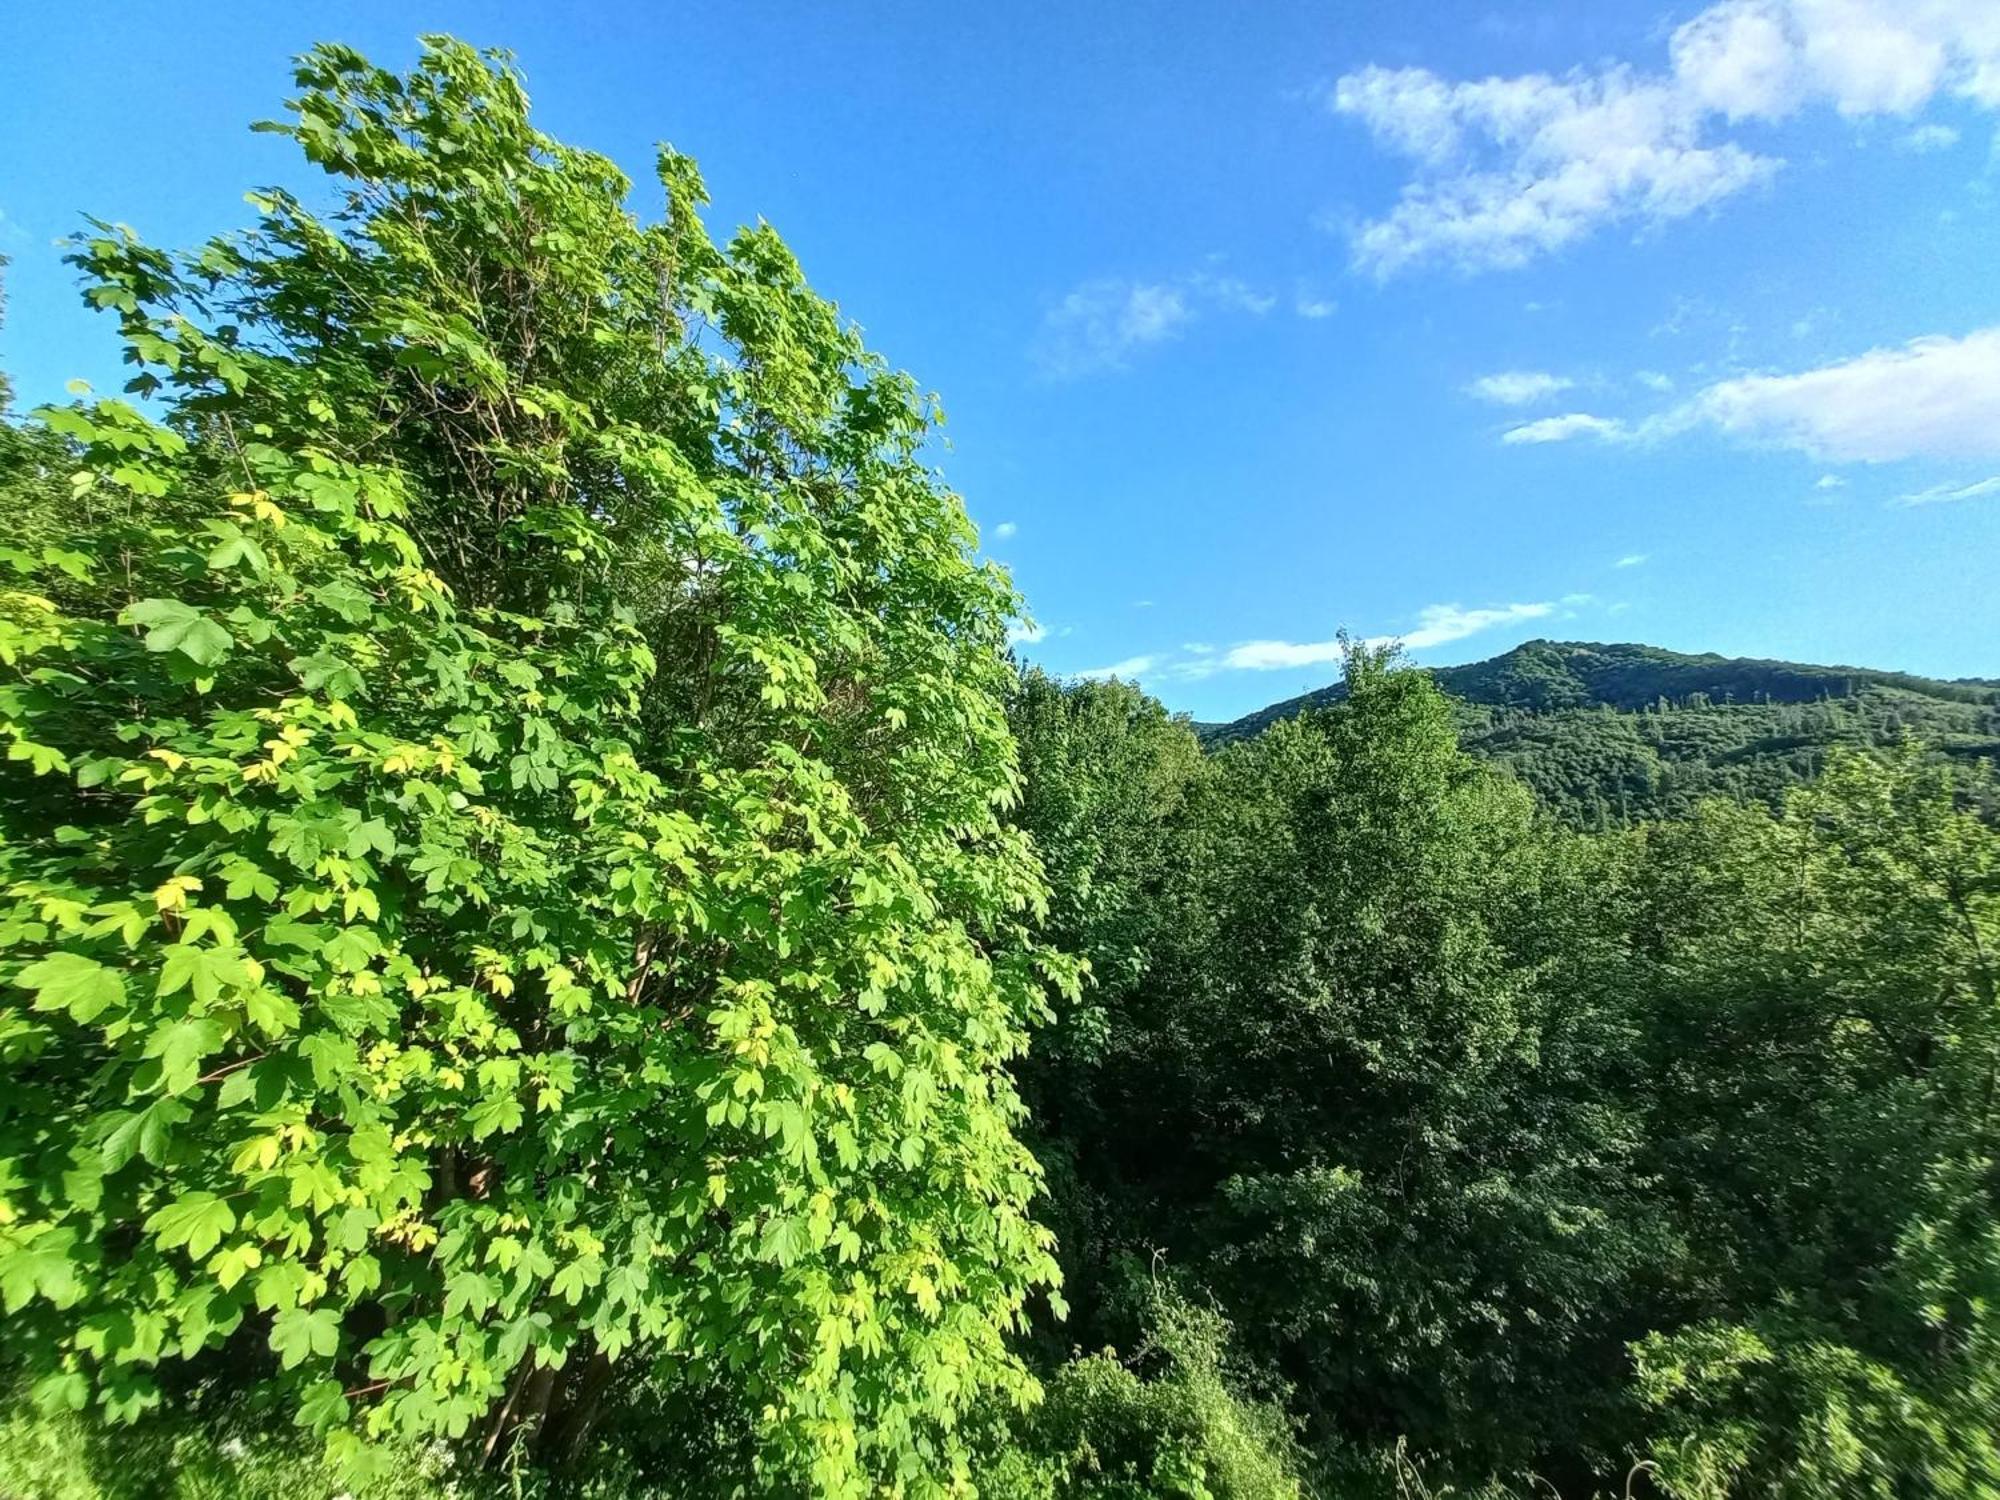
(1607, 733)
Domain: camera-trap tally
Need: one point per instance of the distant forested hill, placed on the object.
(1608, 733)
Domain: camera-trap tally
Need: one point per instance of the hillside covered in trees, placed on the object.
(548, 947)
(1608, 734)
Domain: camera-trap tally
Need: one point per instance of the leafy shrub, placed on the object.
(68, 1456)
(1181, 1430)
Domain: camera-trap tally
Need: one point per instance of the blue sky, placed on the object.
(1464, 323)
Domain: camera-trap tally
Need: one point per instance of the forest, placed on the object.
(549, 946)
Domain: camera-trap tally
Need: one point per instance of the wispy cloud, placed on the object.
(1935, 398)
(1930, 138)
(1829, 482)
(1931, 398)
(1311, 307)
(1436, 625)
(1271, 656)
(1026, 634)
(1229, 292)
(1562, 429)
(1100, 325)
(1941, 494)
(1507, 169)
(1103, 324)
(1442, 623)
(1653, 380)
(1130, 668)
(1632, 559)
(1518, 387)
(1004, 531)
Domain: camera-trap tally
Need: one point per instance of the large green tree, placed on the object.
(503, 904)
(1409, 1085)
(1367, 1076)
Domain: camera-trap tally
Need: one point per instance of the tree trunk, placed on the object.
(573, 1424)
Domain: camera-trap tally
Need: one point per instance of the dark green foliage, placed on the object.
(1825, 1042)
(1558, 674)
(1112, 792)
(1604, 767)
(1521, 1156)
(1370, 1037)
(1108, 776)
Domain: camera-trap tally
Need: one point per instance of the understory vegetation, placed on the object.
(547, 947)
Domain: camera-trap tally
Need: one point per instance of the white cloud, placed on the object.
(1005, 531)
(1653, 380)
(1437, 624)
(1932, 398)
(1025, 634)
(1829, 482)
(1511, 168)
(1505, 169)
(1230, 292)
(1738, 60)
(1931, 138)
(1098, 326)
(1631, 559)
(1314, 307)
(1102, 324)
(1866, 59)
(1271, 656)
(1440, 623)
(1561, 429)
(1518, 387)
(1944, 493)
(1131, 667)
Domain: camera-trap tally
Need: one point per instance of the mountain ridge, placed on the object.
(1544, 674)
(1606, 734)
